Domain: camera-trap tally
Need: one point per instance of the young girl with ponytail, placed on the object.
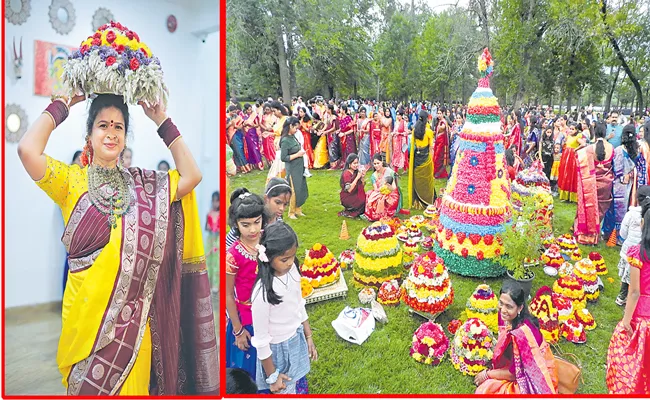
(283, 337)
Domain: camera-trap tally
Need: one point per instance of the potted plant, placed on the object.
(522, 239)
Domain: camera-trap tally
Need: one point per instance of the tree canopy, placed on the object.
(546, 51)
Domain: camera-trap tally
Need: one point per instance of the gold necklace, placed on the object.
(109, 192)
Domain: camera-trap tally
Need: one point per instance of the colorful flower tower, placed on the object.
(477, 198)
(483, 305)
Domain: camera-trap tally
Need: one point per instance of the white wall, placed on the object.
(35, 255)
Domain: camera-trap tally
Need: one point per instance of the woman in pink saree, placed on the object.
(441, 148)
(384, 200)
(348, 141)
(595, 179)
(399, 144)
(375, 134)
(523, 362)
(267, 120)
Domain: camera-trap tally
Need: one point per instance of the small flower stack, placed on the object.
(585, 271)
(552, 257)
(472, 348)
(409, 250)
(564, 307)
(599, 263)
(483, 304)
(429, 344)
(543, 309)
(548, 240)
(567, 244)
(428, 287)
(321, 266)
(378, 256)
(570, 287)
(346, 258)
(367, 295)
(389, 293)
(586, 319)
(565, 269)
(574, 331)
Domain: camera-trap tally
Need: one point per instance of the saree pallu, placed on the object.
(307, 144)
(423, 187)
(586, 228)
(237, 145)
(567, 182)
(364, 150)
(253, 155)
(333, 146)
(604, 182)
(514, 139)
(535, 370)
(441, 156)
(623, 193)
(321, 155)
(642, 163)
(137, 315)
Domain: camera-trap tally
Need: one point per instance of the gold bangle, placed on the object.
(308, 336)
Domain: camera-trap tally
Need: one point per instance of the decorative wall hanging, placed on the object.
(172, 23)
(17, 11)
(16, 123)
(18, 59)
(62, 16)
(49, 59)
(101, 17)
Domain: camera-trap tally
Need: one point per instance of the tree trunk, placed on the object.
(330, 89)
(608, 100)
(619, 53)
(480, 7)
(355, 89)
(292, 68)
(285, 79)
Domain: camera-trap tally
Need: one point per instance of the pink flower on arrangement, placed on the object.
(97, 42)
(110, 37)
(119, 48)
(103, 27)
(97, 35)
(135, 35)
(129, 34)
(84, 49)
(110, 60)
(134, 64)
(144, 51)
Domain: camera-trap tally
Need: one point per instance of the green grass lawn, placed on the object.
(382, 364)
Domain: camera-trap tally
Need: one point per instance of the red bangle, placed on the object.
(59, 111)
(168, 132)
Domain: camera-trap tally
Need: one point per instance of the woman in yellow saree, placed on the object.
(523, 362)
(138, 290)
(420, 185)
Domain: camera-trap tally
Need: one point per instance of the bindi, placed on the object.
(112, 123)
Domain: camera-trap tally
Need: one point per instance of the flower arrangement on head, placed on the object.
(428, 287)
(599, 263)
(115, 60)
(542, 308)
(472, 347)
(346, 258)
(378, 256)
(429, 344)
(320, 266)
(483, 305)
(389, 293)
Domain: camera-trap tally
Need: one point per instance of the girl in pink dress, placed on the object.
(246, 216)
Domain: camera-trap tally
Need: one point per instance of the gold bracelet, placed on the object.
(308, 336)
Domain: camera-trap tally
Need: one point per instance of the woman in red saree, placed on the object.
(305, 129)
(512, 134)
(567, 182)
(353, 194)
(386, 129)
(441, 148)
(348, 140)
(595, 179)
(628, 356)
(385, 198)
(523, 362)
(331, 132)
(137, 315)
(267, 120)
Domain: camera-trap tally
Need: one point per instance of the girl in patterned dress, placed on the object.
(246, 218)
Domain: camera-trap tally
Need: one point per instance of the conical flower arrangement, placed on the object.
(477, 197)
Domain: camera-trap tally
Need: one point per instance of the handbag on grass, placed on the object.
(569, 374)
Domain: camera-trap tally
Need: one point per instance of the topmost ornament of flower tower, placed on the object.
(477, 197)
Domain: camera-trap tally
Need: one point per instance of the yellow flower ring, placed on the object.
(115, 60)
